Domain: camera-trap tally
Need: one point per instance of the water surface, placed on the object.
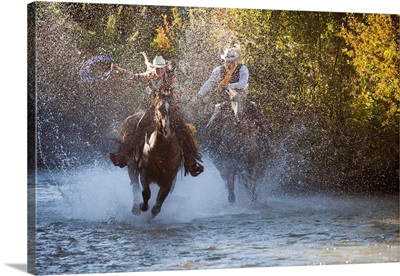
(84, 225)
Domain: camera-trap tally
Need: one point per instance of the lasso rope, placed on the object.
(87, 74)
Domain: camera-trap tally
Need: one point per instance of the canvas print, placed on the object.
(166, 138)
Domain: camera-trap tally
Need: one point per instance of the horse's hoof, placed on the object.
(156, 209)
(231, 198)
(136, 210)
(143, 207)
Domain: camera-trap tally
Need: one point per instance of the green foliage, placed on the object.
(372, 48)
(168, 34)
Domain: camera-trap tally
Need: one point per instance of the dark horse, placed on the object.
(157, 160)
(239, 143)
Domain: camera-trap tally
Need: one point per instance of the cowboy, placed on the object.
(160, 80)
(232, 74)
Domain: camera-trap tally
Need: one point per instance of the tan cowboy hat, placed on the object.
(159, 62)
(229, 55)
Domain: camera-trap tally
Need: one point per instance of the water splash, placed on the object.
(102, 193)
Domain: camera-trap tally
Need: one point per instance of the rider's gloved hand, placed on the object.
(223, 86)
(120, 70)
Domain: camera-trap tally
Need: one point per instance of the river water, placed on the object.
(84, 225)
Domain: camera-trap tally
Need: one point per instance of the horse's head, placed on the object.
(238, 102)
(162, 115)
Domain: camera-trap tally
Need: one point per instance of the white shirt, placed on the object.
(216, 77)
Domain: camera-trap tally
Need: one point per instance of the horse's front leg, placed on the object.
(230, 183)
(253, 190)
(136, 190)
(161, 196)
(146, 194)
(253, 179)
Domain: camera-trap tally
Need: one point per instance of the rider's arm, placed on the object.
(243, 79)
(214, 79)
(128, 74)
(175, 89)
(119, 69)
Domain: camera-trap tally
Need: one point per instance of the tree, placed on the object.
(372, 47)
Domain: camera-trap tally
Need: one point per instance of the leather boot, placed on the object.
(192, 166)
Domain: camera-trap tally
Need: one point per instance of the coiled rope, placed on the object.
(87, 74)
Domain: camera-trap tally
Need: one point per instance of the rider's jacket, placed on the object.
(238, 81)
(234, 76)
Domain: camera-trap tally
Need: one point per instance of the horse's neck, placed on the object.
(161, 144)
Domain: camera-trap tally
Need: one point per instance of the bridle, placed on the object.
(162, 116)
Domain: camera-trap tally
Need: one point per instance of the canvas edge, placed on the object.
(31, 125)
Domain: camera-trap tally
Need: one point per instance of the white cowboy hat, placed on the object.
(159, 62)
(229, 55)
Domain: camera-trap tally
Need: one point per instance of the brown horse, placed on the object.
(239, 143)
(157, 161)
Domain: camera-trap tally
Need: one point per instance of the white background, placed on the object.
(14, 131)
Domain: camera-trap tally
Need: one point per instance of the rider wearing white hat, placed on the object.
(159, 62)
(229, 55)
(157, 77)
(160, 80)
(232, 74)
